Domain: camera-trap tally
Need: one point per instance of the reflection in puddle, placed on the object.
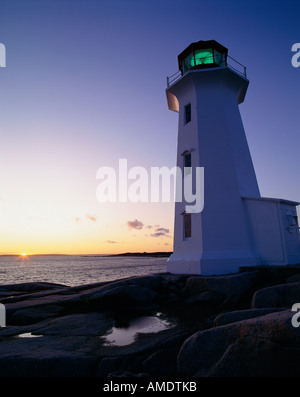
(27, 335)
(122, 336)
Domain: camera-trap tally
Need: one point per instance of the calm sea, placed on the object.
(75, 270)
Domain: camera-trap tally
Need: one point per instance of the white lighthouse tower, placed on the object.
(237, 227)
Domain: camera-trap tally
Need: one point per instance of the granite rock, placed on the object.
(225, 290)
(231, 325)
(239, 315)
(283, 295)
(263, 346)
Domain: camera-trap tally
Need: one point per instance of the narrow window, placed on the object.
(187, 113)
(187, 164)
(188, 160)
(187, 226)
(292, 220)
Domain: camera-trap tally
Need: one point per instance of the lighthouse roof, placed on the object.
(199, 45)
(202, 44)
(202, 54)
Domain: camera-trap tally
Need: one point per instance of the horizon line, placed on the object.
(122, 253)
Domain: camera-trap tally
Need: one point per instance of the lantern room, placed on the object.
(202, 54)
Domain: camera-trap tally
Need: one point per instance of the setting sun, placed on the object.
(24, 254)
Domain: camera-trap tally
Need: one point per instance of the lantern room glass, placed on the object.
(202, 57)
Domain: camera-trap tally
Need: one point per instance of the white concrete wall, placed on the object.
(236, 227)
(221, 240)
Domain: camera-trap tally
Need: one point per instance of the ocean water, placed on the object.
(75, 270)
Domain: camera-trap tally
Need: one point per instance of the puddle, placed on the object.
(122, 336)
(27, 335)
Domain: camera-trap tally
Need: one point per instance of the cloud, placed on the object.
(91, 217)
(157, 234)
(158, 230)
(138, 225)
(161, 232)
(111, 242)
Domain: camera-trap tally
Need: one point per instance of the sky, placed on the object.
(84, 86)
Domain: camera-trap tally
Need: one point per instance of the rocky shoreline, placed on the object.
(219, 326)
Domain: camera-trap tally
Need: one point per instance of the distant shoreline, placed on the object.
(138, 254)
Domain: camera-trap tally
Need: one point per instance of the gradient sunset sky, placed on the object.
(84, 85)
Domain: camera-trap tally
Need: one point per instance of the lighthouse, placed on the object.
(236, 226)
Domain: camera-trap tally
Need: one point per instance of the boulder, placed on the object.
(210, 297)
(293, 279)
(32, 310)
(153, 282)
(108, 365)
(239, 315)
(161, 363)
(123, 295)
(283, 295)
(84, 324)
(29, 287)
(226, 290)
(263, 346)
(32, 315)
(47, 356)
